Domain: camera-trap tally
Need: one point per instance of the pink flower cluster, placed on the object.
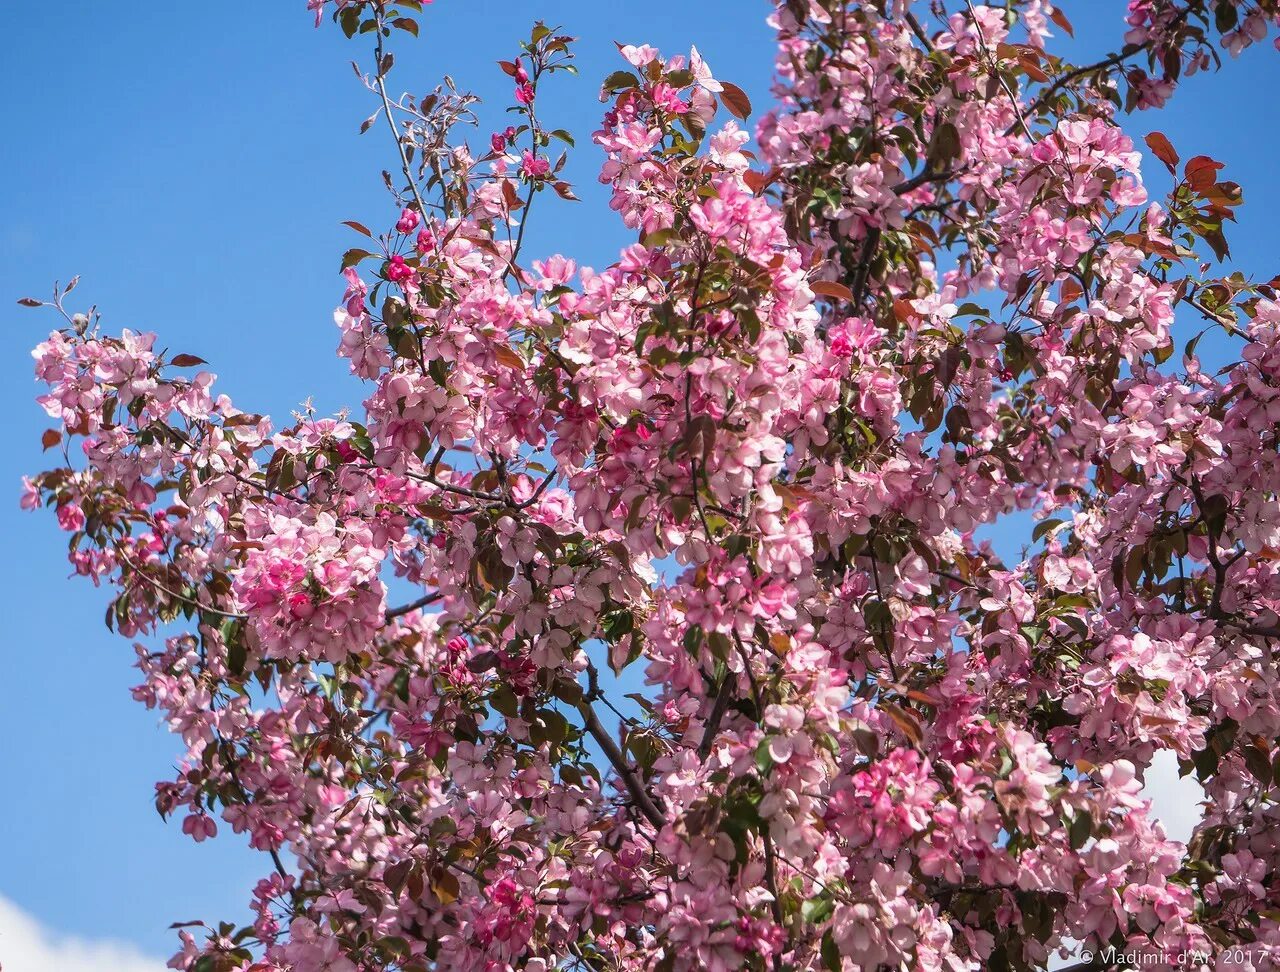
(311, 590)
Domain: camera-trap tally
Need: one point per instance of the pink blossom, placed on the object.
(647, 614)
(534, 166)
(407, 222)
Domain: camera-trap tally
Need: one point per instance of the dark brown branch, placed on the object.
(1257, 630)
(919, 32)
(718, 709)
(404, 609)
(198, 605)
(228, 754)
(1127, 51)
(629, 779)
(920, 178)
(864, 266)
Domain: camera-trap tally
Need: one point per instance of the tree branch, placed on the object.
(629, 779)
(718, 709)
(381, 84)
(404, 609)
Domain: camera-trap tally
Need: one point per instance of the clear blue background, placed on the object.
(193, 163)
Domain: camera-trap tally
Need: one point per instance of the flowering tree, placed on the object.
(739, 472)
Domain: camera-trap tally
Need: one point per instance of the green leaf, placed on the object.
(831, 953)
(1081, 830)
(1044, 527)
(503, 701)
(944, 147)
(692, 638)
(620, 80)
(1225, 16)
(232, 637)
(764, 759)
(817, 910)
(349, 18)
(354, 256)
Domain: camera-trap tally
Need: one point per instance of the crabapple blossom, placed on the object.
(645, 619)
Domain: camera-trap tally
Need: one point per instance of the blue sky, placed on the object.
(192, 162)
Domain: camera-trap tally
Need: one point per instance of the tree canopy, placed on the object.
(705, 663)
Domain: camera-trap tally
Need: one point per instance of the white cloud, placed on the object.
(25, 946)
(1176, 801)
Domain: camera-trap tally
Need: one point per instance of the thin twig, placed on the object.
(381, 84)
(718, 709)
(199, 605)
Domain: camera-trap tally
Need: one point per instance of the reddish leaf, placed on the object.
(756, 181)
(1032, 69)
(186, 361)
(829, 288)
(50, 438)
(564, 191)
(1163, 150)
(736, 100)
(1202, 173)
(509, 356)
(358, 227)
(1059, 18)
(904, 720)
(510, 196)
(1217, 242)
(30, 302)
